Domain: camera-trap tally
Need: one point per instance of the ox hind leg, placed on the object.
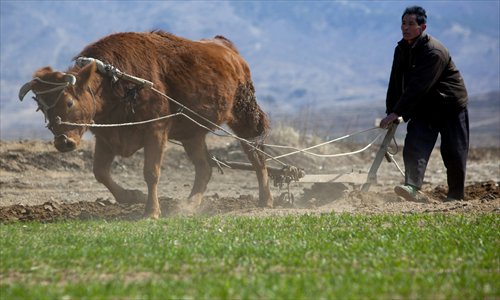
(258, 161)
(249, 121)
(196, 150)
(103, 158)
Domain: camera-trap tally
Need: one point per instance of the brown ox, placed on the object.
(208, 76)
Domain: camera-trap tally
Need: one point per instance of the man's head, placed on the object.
(413, 23)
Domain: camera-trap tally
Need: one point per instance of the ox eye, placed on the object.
(70, 103)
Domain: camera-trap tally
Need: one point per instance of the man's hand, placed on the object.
(387, 121)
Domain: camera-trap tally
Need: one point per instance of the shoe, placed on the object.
(409, 193)
(450, 199)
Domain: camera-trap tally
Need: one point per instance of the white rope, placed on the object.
(50, 82)
(305, 151)
(42, 105)
(114, 72)
(229, 134)
(200, 116)
(57, 88)
(116, 125)
(270, 157)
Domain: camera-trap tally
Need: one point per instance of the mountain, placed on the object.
(316, 55)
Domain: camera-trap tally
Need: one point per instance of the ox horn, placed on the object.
(70, 78)
(24, 90)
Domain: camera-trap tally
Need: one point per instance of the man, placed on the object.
(427, 90)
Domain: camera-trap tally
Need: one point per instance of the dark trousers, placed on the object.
(421, 138)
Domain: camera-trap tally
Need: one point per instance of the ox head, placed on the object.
(66, 97)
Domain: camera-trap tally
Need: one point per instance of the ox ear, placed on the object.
(42, 71)
(85, 76)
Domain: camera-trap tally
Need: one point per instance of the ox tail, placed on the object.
(250, 121)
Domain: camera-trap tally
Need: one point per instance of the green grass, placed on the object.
(311, 257)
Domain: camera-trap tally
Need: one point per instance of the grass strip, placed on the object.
(302, 257)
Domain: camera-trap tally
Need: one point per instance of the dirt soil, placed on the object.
(37, 183)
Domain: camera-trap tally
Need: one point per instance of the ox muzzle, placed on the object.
(64, 144)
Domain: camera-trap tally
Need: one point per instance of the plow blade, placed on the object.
(355, 178)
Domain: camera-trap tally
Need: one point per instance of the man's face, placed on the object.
(410, 28)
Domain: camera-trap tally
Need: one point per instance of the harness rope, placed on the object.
(59, 86)
(306, 150)
(109, 70)
(215, 125)
(44, 107)
(60, 122)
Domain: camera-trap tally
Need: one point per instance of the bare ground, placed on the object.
(37, 183)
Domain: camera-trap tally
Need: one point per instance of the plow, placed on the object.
(284, 176)
(281, 176)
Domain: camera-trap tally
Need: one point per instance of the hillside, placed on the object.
(328, 55)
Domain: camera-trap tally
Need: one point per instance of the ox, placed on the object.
(209, 77)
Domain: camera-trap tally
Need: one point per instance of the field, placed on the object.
(63, 236)
(289, 257)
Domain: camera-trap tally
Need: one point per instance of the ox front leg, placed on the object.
(153, 155)
(103, 158)
(196, 150)
(258, 161)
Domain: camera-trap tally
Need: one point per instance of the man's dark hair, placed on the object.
(418, 11)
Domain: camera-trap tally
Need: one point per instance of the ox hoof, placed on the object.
(153, 215)
(196, 200)
(132, 197)
(268, 203)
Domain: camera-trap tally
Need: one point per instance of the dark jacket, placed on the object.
(424, 81)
